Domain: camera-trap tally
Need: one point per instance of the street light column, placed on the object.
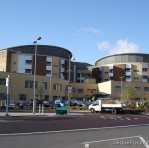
(50, 92)
(67, 88)
(34, 95)
(121, 85)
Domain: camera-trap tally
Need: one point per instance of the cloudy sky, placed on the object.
(90, 29)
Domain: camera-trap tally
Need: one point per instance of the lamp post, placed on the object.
(7, 102)
(34, 96)
(50, 92)
(121, 85)
(69, 83)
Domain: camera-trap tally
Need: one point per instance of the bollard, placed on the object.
(39, 108)
(42, 108)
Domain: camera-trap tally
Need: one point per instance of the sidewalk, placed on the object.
(21, 114)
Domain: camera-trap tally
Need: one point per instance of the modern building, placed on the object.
(108, 76)
(53, 67)
(114, 72)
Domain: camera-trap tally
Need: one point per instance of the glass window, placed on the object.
(2, 81)
(111, 78)
(128, 69)
(63, 65)
(146, 88)
(128, 77)
(48, 72)
(80, 90)
(27, 70)
(28, 62)
(144, 69)
(93, 91)
(48, 63)
(44, 85)
(136, 70)
(136, 88)
(117, 88)
(74, 90)
(30, 84)
(57, 87)
(144, 77)
(111, 70)
(136, 78)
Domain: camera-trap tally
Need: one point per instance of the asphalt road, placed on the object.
(41, 124)
(90, 131)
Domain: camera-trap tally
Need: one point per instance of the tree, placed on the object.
(128, 95)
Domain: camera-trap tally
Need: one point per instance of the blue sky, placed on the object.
(90, 29)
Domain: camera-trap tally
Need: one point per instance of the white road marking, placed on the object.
(141, 138)
(89, 142)
(74, 130)
(144, 142)
(86, 145)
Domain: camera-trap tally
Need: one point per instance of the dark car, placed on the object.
(23, 104)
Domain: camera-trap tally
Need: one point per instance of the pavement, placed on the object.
(21, 114)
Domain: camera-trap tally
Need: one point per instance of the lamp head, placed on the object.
(39, 38)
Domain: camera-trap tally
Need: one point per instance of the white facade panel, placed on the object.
(22, 63)
(144, 65)
(49, 59)
(128, 65)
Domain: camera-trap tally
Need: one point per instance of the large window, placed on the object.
(117, 88)
(30, 84)
(2, 81)
(146, 88)
(136, 88)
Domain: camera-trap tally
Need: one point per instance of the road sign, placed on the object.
(69, 83)
(69, 86)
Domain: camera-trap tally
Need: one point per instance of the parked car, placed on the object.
(11, 104)
(23, 104)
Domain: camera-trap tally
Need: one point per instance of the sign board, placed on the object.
(7, 81)
(69, 83)
(69, 86)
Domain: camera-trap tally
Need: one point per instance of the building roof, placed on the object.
(123, 58)
(42, 50)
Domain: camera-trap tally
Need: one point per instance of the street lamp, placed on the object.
(121, 85)
(35, 42)
(50, 92)
(69, 85)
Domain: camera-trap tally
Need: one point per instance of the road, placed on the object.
(90, 131)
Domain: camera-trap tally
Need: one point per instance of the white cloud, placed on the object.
(104, 45)
(90, 30)
(121, 46)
